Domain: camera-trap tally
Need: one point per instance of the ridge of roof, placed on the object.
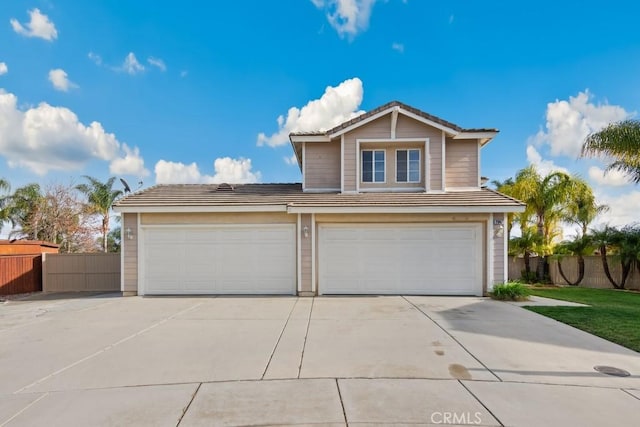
(387, 106)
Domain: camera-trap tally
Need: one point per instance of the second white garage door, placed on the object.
(234, 259)
(419, 259)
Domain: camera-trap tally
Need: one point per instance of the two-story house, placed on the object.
(391, 202)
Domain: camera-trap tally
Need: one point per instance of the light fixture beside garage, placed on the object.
(305, 231)
(129, 233)
(498, 228)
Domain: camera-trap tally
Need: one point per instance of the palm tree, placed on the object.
(23, 209)
(580, 246)
(100, 198)
(4, 187)
(611, 240)
(546, 197)
(506, 187)
(582, 208)
(619, 141)
(525, 245)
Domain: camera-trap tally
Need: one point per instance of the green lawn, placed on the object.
(613, 315)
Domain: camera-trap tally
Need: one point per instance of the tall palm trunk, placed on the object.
(542, 260)
(580, 271)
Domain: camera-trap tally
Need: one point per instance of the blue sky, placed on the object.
(163, 91)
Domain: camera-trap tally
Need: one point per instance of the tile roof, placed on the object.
(390, 105)
(205, 195)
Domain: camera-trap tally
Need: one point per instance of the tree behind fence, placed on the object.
(594, 276)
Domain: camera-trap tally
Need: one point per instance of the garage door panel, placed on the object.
(400, 259)
(239, 259)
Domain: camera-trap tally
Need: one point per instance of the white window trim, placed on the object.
(373, 172)
(420, 166)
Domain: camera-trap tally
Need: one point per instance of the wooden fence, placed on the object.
(594, 276)
(20, 274)
(81, 272)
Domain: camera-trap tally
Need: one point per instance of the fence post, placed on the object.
(44, 272)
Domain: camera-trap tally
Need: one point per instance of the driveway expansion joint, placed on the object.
(186, 408)
(306, 334)
(481, 402)
(275, 347)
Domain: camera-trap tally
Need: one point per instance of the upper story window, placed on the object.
(373, 166)
(408, 166)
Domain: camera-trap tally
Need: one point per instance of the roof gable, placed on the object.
(389, 108)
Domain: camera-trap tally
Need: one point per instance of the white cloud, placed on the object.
(568, 123)
(293, 160)
(131, 164)
(623, 208)
(60, 80)
(157, 62)
(38, 26)
(3, 68)
(232, 171)
(347, 17)
(131, 65)
(544, 167)
(184, 73)
(97, 59)
(337, 105)
(613, 178)
(398, 47)
(45, 138)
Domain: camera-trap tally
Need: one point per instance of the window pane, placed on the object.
(414, 155)
(401, 166)
(414, 176)
(379, 166)
(367, 166)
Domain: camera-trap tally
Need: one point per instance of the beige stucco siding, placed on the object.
(305, 252)
(410, 128)
(380, 128)
(322, 165)
(461, 163)
(218, 218)
(130, 253)
(499, 257)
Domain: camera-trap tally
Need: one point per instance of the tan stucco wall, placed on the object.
(322, 165)
(461, 163)
(380, 128)
(499, 252)
(305, 251)
(130, 253)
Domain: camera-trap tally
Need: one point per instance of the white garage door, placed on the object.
(237, 259)
(422, 259)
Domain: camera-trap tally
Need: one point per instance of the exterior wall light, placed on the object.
(305, 231)
(129, 233)
(498, 228)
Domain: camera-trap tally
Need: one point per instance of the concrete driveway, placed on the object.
(107, 360)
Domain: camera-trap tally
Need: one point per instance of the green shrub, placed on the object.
(530, 277)
(510, 291)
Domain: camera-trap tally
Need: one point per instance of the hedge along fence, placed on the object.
(594, 276)
(20, 274)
